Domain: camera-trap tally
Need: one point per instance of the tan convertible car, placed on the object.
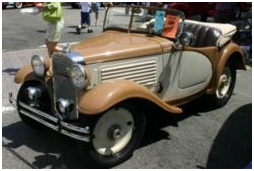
(97, 91)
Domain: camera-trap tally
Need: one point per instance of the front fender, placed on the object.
(111, 93)
(25, 74)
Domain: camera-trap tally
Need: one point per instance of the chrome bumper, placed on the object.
(79, 133)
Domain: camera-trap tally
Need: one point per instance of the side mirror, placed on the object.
(187, 38)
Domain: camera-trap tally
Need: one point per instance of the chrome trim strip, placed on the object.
(38, 112)
(63, 126)
(82, 138)
(76, 57)
(39, 120)
(75, 128)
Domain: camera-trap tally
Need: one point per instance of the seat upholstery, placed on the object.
(204, 36)
(209, 34)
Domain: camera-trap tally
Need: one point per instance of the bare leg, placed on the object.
(97, 18)
(52, 47)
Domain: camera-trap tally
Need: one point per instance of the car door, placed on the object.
(185, 73)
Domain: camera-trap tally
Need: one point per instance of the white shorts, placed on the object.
(53, 31)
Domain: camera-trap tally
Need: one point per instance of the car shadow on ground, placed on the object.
(158, 119)
(11, 71)
(58, 151)
(41, 31)
(52, 149)
(232, 147)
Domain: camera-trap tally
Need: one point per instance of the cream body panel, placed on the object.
(185, 73)
(144, 70)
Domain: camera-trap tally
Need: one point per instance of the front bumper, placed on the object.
(71, 130)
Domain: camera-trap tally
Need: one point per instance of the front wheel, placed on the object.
(115, 135)
(225, 87)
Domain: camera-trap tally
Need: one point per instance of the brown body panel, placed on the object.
(231, 52)
(24, 74)
(116, 45)
(109, 94)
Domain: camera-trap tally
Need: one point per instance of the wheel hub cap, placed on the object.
(113, 131)
(224, 84)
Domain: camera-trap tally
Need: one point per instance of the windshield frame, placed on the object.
(132, 9)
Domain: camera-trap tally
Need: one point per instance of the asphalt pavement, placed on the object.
(201, 137)
(27, 32)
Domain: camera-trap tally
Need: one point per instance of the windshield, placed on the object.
(162, 22)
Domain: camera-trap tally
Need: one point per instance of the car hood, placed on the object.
(115, 45)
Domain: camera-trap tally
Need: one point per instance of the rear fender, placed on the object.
(231, 53)
(108, 94)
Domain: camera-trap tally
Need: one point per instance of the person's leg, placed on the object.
(97, 8)
(82, 22)
(83, 19)
(52, 47)
(97, 18)
(88, 21)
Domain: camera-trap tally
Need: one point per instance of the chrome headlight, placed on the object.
(187, 38)
(38, 65)
(78, 76)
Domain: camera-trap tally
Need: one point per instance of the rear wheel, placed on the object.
(18, 5)
(115, 135)
(225, 87)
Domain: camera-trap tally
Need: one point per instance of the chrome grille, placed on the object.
(142, 72)
(63, 87)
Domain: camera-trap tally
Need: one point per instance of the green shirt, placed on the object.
(53, 12)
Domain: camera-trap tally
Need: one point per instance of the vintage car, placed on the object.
(99, 91)
(18, 5)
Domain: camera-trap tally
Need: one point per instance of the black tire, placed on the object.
(18, 5)
(94, 158)
(217, 101)
(28, 121)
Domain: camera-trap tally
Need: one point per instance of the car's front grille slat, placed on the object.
(63, 87)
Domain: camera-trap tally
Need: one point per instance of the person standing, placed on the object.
(52, 14)
(85, 17)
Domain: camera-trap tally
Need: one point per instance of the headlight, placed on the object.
(78, 76)
(38, 65)
(187, 38)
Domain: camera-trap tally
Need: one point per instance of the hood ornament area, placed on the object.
(66, 48)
